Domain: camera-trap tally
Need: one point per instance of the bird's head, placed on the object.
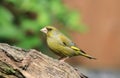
(48, 30)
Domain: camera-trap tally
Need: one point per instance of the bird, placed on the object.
(61, 45)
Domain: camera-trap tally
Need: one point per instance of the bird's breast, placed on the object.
(53, 43)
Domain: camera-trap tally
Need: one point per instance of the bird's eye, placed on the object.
(49, 29)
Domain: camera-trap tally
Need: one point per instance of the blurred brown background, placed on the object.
(102, 17)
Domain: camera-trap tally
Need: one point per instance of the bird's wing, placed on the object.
(67, 42)
(77, 49)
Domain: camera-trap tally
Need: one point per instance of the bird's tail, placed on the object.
(86, 55)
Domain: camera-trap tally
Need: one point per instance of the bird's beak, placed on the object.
(44, 30)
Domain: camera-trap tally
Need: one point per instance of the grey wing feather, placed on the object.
(66, 41)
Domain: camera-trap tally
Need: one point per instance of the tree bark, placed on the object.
(20, 63)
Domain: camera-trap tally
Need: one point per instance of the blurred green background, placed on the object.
(21, 20)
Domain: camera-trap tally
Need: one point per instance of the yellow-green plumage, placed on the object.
(62, 45)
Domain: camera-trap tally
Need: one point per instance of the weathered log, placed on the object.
(19, 63)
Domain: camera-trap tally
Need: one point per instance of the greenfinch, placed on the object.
(62, 45)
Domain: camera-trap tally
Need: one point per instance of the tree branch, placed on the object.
(19, 63)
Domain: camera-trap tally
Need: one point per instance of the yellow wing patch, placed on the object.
(75, 48)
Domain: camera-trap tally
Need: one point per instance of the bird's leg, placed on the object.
(62, 59)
